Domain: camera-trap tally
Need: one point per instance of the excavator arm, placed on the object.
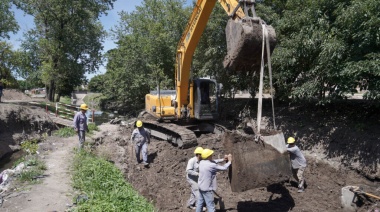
(242, 48)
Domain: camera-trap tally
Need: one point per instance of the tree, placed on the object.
(96, 83)
(7, 64)
(7, 20)
(326, 48)
(147, 40)
(69, 40)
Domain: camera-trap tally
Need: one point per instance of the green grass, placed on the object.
(65, 132)
(105, 187)
(69, 131)
(65, 100)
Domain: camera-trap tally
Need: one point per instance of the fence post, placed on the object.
(56, 109)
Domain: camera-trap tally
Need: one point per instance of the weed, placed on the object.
(18, 161)
(35, 167)
(30, 175)
(30, 146)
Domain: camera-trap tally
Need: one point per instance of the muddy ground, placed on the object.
(342, 148)
(341, 142)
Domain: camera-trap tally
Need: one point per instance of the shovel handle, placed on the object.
(371, 195)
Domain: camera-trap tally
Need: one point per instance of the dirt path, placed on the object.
(55, 192)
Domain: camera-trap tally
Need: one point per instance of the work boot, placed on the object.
(300, 190)
(192, 207)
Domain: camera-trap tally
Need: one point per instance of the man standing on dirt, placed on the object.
(192, 173)
(80, 124)
(207, 178)
(298, 163)
(141, 138)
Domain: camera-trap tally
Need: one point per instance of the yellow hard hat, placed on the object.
(139, 123)
(291, 140)
(198, 150)
(83, 107)
(207, 153)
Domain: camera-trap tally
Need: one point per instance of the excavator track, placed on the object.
(176, 134)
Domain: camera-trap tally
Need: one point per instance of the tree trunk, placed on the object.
(58, 97)
(51, 91)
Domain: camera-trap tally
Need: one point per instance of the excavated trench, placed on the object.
(329, 137)
(18, 124)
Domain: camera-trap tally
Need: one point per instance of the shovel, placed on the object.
(358, 190)
(220, 201)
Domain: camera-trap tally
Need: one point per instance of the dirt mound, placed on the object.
(165, 184)
(13, 94)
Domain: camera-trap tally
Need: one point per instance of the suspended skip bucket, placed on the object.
(244, 44)
(257, 163)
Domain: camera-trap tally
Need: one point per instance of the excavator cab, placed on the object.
(205, 99)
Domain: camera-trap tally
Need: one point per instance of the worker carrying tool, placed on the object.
(192, 173)
(298, 162)
(207, 178)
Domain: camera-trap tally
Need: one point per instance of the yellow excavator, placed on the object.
(197, 99)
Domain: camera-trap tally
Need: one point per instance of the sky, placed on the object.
(26, 22)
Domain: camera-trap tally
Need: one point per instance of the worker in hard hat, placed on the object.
(80, 124)
(298, 162)
(207, 178)
(192, 173)
(140, 139)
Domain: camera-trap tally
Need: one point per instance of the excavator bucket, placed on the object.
(257, 163)
(244, 43)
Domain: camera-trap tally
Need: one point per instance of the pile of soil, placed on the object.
(164, 182)
(13, 94)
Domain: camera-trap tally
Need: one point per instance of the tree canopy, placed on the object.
(68, 36)
(325, 49)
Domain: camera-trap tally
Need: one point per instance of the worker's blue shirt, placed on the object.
(80, 121)
(296, 157)
(140, 136)
(207, 174)
(192, 169)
